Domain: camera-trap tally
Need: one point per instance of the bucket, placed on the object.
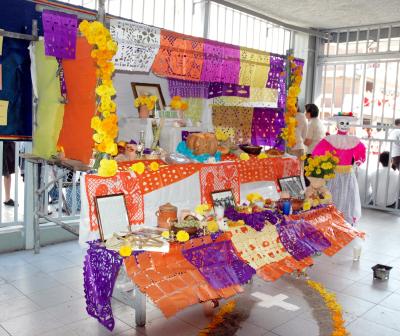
(381, 272)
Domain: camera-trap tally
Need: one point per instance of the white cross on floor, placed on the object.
(269, 301)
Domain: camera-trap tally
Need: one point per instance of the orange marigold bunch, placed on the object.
(105, 122)
(289, 132)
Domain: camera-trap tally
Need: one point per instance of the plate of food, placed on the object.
(273, 152)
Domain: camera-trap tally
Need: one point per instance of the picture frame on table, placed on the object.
(149, 89)
(292, 185)
(112, 215)
(223, 198)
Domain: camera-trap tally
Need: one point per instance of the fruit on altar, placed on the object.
(202, 143)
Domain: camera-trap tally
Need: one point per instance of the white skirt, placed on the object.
(345, 195)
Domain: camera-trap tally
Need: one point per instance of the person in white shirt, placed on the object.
(316, 130)
(384, 192)
(364, 184)
(395, 135)
(301, 131)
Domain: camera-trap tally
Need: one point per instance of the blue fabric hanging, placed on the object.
(17, 90)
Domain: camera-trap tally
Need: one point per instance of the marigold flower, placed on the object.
(165, 234)
(212, 226)
(182, 236)
(262, 155)
(107, 168)
(125, 251)
(138, 168)
(154, 166)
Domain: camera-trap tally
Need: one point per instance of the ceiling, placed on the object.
(324, 14)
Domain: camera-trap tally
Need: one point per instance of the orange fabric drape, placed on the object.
(80, 78)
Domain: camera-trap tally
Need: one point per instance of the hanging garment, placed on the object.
(17, 90)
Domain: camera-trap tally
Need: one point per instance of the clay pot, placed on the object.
(166, 215)
(143, 112)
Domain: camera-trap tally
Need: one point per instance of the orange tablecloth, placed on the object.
(213, 177)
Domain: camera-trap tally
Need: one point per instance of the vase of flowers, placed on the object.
(318, 170)
(179, 106)
(145, 104)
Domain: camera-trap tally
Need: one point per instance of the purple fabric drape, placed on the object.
(187, 89)
(221, 63)
(222, 89)
(266, 127)
(230, 65)
(255, 220)
(212, 64)
(277, 78)
(100, 270)
(219, 264)
(301, 239)
(60, 31)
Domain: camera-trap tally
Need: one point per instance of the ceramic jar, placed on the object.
(166, 214)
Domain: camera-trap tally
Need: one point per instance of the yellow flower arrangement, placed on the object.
(182, 236)
(107, 168)
(154, 166)
(244, 156)
(212, 226)
(224, 133)
(254, 197)
(149, 101)
(138, 168)
(334, 307)
(202, 209)
(289, 132)
(125, 251)
(178, 104)
(105, 122)
(322, 166)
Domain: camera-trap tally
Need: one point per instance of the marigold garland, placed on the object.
(334, 307)
(289, 132)
(218, 318)
(105, 122)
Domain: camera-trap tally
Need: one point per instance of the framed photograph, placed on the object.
(112, 215)
(223, 198)
(292, 185)
(148, 89)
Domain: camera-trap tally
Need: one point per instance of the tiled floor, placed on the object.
(42, 294)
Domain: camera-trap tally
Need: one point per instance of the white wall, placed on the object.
(125, 99)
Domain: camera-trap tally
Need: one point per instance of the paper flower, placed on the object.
(262, 155)
(182, 236)
(165, 234)
(212, 226)
(154, 166)
(125, 251)
(244, 156)
(107, 168)
(138, 168)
